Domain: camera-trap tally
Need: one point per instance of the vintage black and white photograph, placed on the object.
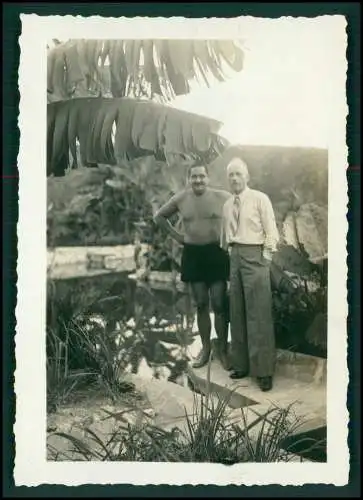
(182, 260)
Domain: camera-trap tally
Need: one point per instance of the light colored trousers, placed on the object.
(251, 322)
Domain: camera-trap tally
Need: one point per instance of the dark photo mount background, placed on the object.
(11, 32)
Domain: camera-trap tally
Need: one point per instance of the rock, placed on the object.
(88, 421)
(150, 412)
(289, 231)
(317, 331)
(312, 230)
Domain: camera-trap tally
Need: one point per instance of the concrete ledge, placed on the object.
(77, 262)
(310, 369)
(235, 398)
(308, 400)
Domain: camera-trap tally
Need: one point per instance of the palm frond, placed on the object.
(74, 73)
(141, 128)
(168, 66)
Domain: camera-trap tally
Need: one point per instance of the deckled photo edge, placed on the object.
(31, 467)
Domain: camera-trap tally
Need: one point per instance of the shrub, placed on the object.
(300, 317)
(78, 347)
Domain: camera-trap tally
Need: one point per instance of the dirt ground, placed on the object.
(91, 408)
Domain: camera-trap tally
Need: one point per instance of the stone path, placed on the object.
(300, 383)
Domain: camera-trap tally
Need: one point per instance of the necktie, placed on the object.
(235, 215)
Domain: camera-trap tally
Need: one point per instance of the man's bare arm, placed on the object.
(223, 240)
(161, 218)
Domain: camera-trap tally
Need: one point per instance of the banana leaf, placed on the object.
(141, 128)
(168, 65)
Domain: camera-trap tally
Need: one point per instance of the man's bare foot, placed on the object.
(202, 359)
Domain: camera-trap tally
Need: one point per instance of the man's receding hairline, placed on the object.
(237, 161)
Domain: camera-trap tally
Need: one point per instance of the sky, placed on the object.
(283, 95)
(286, 93)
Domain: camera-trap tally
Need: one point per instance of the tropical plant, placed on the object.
(112, 204)
(97, 214)
(100, 92)
(165, 67)
(109, 130)
(300, 317)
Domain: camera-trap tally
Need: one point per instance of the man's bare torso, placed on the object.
(202, 215)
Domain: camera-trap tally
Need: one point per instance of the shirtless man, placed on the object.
(204, 264)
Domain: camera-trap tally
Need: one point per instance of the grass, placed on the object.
(80, 351)
(101, 349)
(61, 381)
(208, 434)
(101, 364)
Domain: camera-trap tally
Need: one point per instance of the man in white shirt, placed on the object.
(250, 234)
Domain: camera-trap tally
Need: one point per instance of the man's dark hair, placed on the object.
(197, 164)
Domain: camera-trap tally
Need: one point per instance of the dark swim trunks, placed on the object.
(204, 263)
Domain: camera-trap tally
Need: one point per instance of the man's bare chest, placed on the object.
(201, 210)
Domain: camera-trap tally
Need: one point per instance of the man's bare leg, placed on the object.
(218, 292)
(201, 296)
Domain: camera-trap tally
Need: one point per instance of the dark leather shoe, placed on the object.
(237, 375)
(202, 359)
(265, 383)
(225, 361)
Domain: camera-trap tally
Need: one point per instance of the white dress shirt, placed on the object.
(257, 225)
